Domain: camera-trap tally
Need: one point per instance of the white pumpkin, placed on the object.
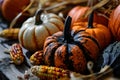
(35, 30)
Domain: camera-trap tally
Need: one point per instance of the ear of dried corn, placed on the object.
(10, 33)
(16, 54)
(49, 73)
(37, 58)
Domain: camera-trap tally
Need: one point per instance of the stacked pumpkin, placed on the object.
(74, 47)
(99, 31)
(70, 49)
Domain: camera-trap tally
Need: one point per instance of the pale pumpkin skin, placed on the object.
(32, 36)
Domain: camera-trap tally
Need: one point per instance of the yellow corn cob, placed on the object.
(10, 33)
(37, 58)
(16, 54)
(49, 73)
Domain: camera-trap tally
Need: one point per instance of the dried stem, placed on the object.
(20, 14)
(67, 34)
(65, 3)
(100, 4)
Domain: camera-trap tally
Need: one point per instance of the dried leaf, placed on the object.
(111, 57)
(111, 54)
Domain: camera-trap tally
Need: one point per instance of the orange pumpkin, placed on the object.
(10, 9)
(78, 12)
(99, 31)
(70, 49)
(114, 23)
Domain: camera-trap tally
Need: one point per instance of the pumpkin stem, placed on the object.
(37, 17)
(67, 34)
(90, 20)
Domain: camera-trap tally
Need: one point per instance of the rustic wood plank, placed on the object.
(8, 69)
(12, 71)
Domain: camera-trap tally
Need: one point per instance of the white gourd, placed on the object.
(35, 30)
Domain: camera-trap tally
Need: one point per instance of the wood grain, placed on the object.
(8, 70)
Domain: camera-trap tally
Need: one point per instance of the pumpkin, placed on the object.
(10, 9)
(114, 23)
(78, 12)
(99, 31)
(70, 49)
(35, 29)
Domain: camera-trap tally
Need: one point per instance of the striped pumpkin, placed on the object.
(35, 29)
(70, 49)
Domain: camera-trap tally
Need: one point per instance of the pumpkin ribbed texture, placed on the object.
(32, 36)
(100, 32)
(73, 55)
(70, 49)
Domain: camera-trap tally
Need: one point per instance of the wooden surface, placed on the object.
(9, 71)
